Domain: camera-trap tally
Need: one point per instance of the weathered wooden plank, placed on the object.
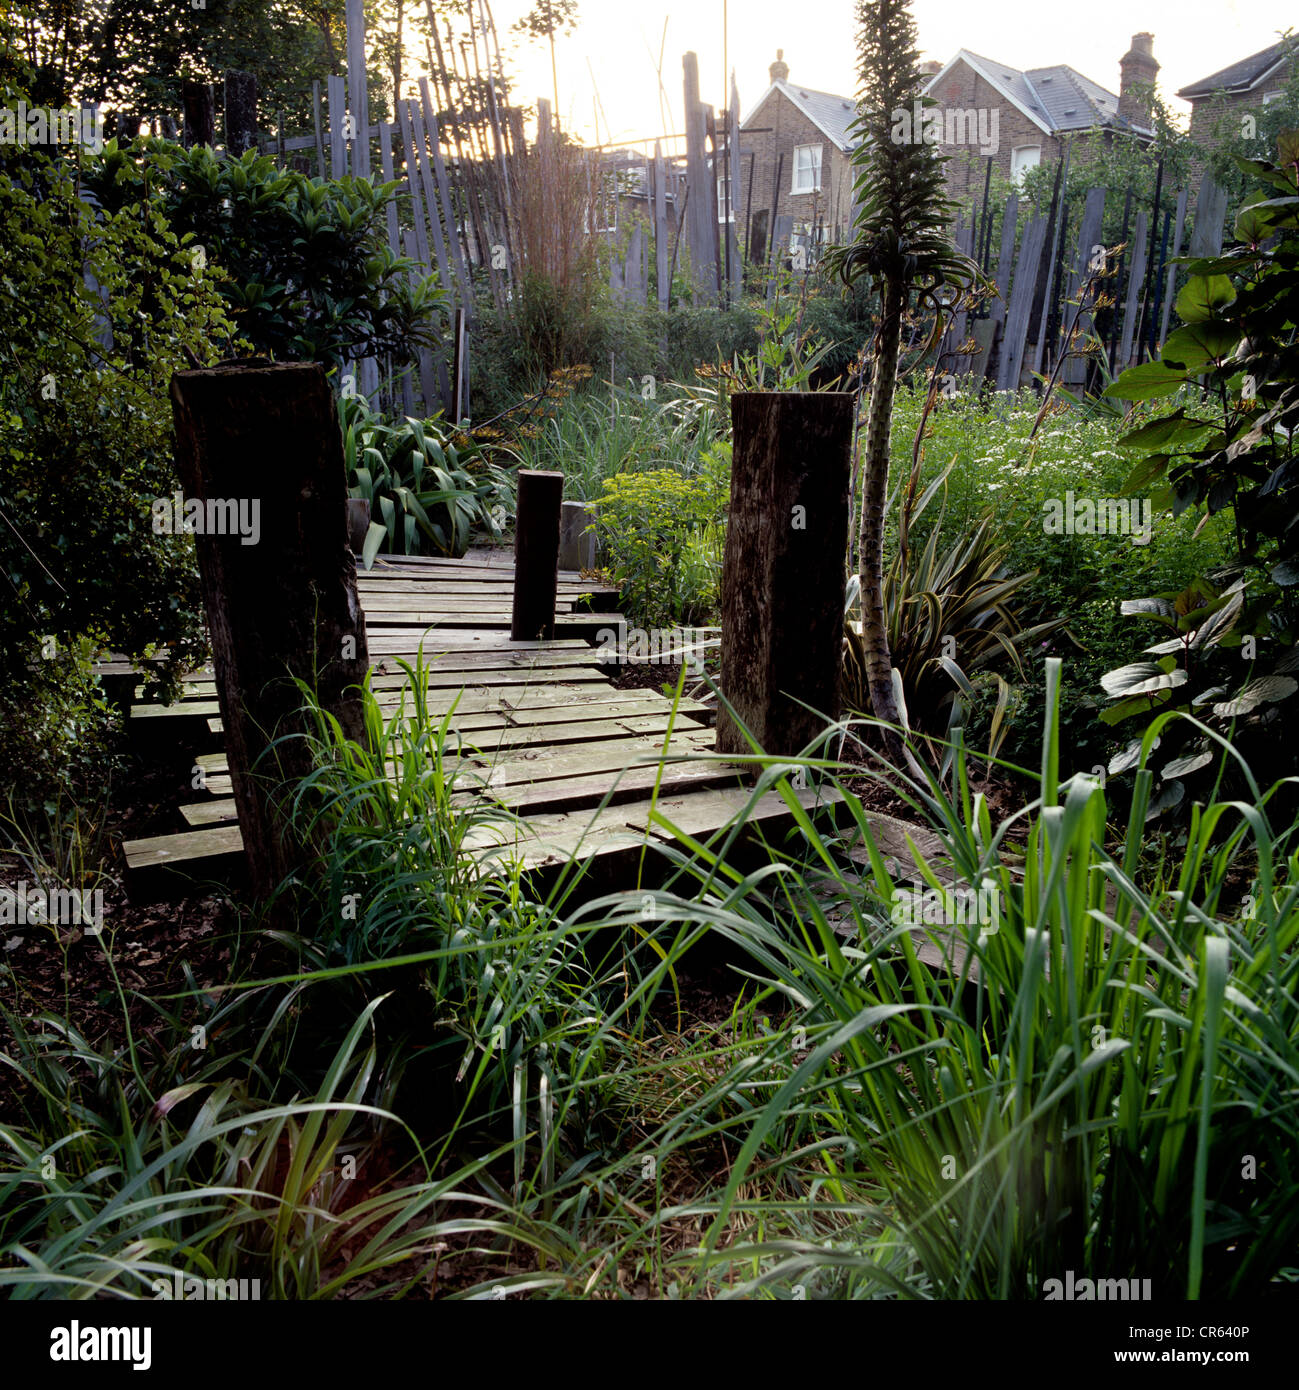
(1170, 284)
(337, 92)
(611, 787)
(188, 847)
(559, 762)
(387, 641)
(661, 234)
(1074, 371)
(217, 811)
(589, 731)
(356, 87)
(700, 235)
(1136, 278)
(1210, 210)
(544, 841)
(1021, 305)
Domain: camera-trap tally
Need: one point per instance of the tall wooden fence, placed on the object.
(1045, 317)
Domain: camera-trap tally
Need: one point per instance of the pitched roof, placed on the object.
(1241, 76)
(1059, 99)
(830, 113)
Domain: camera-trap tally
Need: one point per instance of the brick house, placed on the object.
(1244, 88)
(795, 153)
(1020, 119)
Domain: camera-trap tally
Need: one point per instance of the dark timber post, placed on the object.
(536, 555)
(199, 102)
(261, 445)
(784, 567)
(241, 111)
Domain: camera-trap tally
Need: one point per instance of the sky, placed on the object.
(614, 53)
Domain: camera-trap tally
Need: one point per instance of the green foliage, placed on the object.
(1231, 374)
(1067, 1081)
(428, 485)
(901, 228)
(133, 55)
(995, 461)
(99, 308)
(1251, 132)
(647, 524)
(954, 612)
(309, 274)
(594, 434)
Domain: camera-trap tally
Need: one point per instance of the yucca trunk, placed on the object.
(875, 483)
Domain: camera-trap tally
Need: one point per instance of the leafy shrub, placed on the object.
(1231, 373)
(646, 522)
(310, 273)
(428, 485)
(99, 308)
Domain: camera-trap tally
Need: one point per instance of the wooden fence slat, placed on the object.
(661, 230)
(317, 132)
(357, 89)
(1210, 209)
(1022, 291)
(1005, 263)
(1170, 284)
(337, 92)
(1074, 370)
(700, 236)
(1136, 278)
(734, 270)
(453, 235)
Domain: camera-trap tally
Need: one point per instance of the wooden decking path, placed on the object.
(539, 730)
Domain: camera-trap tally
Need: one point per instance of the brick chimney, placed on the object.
(1137, 72)
(779, 70)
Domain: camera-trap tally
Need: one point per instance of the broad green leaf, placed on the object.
(1202, 296)
(1145, 382)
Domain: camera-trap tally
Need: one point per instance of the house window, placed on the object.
(807, 169)
(725, 211)
(1269, 97)
(1022, 159)
(602, 210)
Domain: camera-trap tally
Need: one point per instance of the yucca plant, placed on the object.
(901, 244)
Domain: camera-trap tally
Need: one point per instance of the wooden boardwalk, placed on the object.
(538, 728)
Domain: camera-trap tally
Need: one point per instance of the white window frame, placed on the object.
(1018, 167)
(604, 199)
(725, 207)
(1270, 97)
(815, 166)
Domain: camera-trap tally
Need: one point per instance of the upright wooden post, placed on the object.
(199, 102)
(784, 567)
(576, 541)
(261, 445)
(536, 555)
(700, 234)
(241, 111)
(354, 12)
